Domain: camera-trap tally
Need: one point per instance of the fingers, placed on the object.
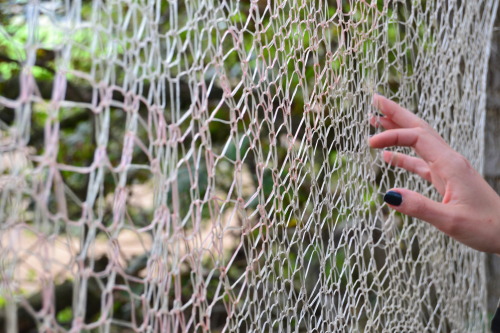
(426, 145)
(412, 164)
(416, 205)
(386, 123)
(397, 114)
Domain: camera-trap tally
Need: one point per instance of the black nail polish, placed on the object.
(393, 198)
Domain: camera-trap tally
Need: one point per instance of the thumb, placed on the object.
(414, 204)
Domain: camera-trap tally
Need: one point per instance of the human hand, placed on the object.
(470, 210)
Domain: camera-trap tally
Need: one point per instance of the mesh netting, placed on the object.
(173, 166)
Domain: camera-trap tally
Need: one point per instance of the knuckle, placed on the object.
(423, 124)
(453, 162)
(421, 131)
(449, 228)
(396, 159)
(453, 225)
(461, 164)
(427, 175)
(416, 207)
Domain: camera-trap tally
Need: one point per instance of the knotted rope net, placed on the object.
(195, 166)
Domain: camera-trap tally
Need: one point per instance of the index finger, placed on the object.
(426, 145)
(397, 114)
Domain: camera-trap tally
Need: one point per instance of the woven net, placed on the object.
(182, 166)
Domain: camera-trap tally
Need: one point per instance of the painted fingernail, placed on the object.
(393, 198)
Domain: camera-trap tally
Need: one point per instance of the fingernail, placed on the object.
(393, 198)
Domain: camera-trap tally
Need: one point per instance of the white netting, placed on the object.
(173, 166)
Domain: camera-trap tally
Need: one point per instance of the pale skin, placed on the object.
(470, 209)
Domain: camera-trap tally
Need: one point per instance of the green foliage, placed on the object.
(65, 316)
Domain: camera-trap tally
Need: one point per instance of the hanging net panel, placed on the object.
(203, 166)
